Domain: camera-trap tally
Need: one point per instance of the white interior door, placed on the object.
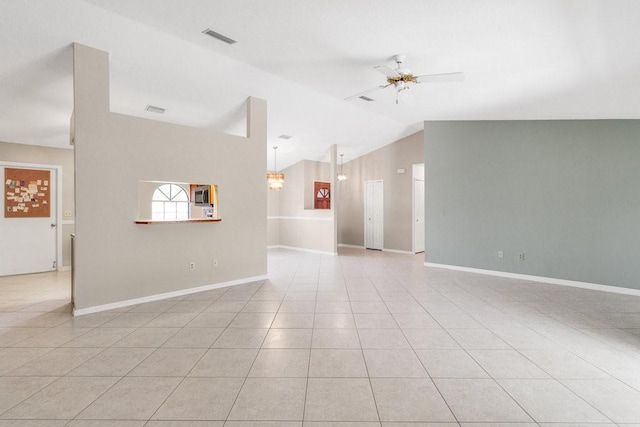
(418, 216)
(373, 215)
(29, 245)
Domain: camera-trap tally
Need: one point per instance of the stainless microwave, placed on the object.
(202, 196)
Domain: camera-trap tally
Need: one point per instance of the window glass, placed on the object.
(169, 203)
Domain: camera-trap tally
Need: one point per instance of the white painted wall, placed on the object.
(398, 193)
(290, 222)
(23, 153)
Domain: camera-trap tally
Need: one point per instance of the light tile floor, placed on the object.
(363, 339)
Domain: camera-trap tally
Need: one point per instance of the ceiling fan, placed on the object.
(402, 78)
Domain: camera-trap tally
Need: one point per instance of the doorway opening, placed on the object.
(30, 209)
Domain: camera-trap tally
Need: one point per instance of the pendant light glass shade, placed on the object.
(275, 180)
(341, 175)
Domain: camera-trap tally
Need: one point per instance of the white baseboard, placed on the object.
(303, 218)
(293, 248)
(158, 297)
(542, 279)
(396, 251)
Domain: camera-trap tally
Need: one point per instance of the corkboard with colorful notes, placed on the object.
(27, 193)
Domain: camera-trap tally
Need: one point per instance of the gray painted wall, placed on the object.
(564, 193)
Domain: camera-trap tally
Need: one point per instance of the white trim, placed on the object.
(413, 207)
(293, 248)
(344, 245)
(397, 251)
(158, 297)
(551, 280)
(365, 213)
(65, 268)
(305, 218)
(68, 222)
(57, 169)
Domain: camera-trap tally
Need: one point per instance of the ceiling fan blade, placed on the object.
(366, 92)
(437, 78)
(387, 71)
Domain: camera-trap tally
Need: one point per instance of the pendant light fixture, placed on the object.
(341, 175)
(275, 179)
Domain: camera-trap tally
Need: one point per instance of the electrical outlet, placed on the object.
(192, 266)
(215, 262)
(521, 256)
(500, 254)
(68, 214)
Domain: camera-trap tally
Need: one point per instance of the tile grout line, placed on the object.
(246, 377)
(364, 359)
(455, 417)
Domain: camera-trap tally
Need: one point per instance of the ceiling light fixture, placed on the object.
(341, 175)
(218, 36)
(154, 109)
(275, 179)
(285, 136)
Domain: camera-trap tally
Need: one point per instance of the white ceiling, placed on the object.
(523, 59)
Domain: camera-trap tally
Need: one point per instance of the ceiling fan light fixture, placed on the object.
(366, 98)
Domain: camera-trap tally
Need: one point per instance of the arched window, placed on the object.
(169, 202)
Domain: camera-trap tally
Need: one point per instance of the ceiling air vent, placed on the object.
(283, 136)
(218, 36)
(366, 98)
(154, 109)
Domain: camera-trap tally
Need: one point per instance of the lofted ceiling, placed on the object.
(523, 59)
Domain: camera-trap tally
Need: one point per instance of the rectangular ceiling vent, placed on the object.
(283, 136)
(218, 36)
(366, 98)
(154, 109)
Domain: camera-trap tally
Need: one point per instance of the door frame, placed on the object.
(57, 170)
(413, 208)
(365, 214)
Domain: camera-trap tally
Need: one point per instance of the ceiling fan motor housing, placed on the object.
(404, 78)
(399, 59)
